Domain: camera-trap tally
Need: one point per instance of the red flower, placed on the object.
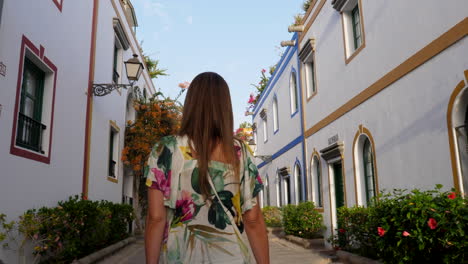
(263, 70)
(452, 195)
(405, 233)
(341, 230)
(381, 231)
(432, 223)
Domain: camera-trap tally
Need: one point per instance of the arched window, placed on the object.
(275, 115)
(297, 180)
(266, 192)
(279, 194)
(365, 167)
(287, 190)
(316, 182)
(369, 178)
(457, 121)
(293, 92)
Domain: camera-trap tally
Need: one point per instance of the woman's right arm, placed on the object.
(155, 224)
(256, 232)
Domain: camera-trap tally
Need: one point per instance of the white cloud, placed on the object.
(156, 9)
(190, 20)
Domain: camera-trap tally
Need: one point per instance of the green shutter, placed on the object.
(111, 153)
(339, 185)
(319, 183)
(368, 159)
(356, 20)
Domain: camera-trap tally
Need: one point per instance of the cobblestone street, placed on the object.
(281, 252)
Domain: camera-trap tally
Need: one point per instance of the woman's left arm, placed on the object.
(155, 224)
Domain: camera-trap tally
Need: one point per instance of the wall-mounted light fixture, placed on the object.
(133, 67)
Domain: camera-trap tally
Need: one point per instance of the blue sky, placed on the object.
(236, 39)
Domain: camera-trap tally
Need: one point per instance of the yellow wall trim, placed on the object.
(455, 34)
(312, 19)
(311, 7)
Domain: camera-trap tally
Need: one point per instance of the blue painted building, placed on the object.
(278, 133)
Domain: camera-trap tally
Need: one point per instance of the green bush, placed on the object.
(272, 216)
(75, 228)
(414, 227)
(355, 233)
(302, 220)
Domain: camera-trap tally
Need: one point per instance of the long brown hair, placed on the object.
(207, 121)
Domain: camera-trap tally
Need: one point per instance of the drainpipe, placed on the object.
(89, 101)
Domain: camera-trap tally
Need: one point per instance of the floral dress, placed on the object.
(199, 231)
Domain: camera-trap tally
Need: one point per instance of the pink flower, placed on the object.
(162, 182)
(263, 70)
(185, 207)
(452, 195)
(381, 231)
(405, 234)
(184, 85)
(251, 99)
(432, 223)
(35, 236)
(259, 179)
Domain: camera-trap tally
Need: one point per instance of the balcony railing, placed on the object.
(115, 77)
(30, 133)
(112, 168)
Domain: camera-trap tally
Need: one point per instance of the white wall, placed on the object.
(408, 122)
(112, 106)
(66, 37)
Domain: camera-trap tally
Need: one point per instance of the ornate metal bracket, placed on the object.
(101, 89)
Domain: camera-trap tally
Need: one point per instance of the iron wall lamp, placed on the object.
(133, 67)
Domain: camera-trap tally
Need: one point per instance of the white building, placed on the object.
(384, 89)
(388, 100)
(277, 120)
(57, 138)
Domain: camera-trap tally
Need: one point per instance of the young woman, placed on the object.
(203, 187)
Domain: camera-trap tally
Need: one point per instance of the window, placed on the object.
(121, 43)
(117, 62)
(33, 111)
(309, 67)
(113, 152)
(297, 179)
(263, 115)
(275, 115)
(30, 129)
(365, 169)
(307, 57)
(266, 192)
(293, 92)
(356, 23)
(368, 159)
(316, 182)
(279, 193)
(353, 29)
(287, 190)
(1, 8)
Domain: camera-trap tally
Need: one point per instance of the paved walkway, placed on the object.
(281, 252)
